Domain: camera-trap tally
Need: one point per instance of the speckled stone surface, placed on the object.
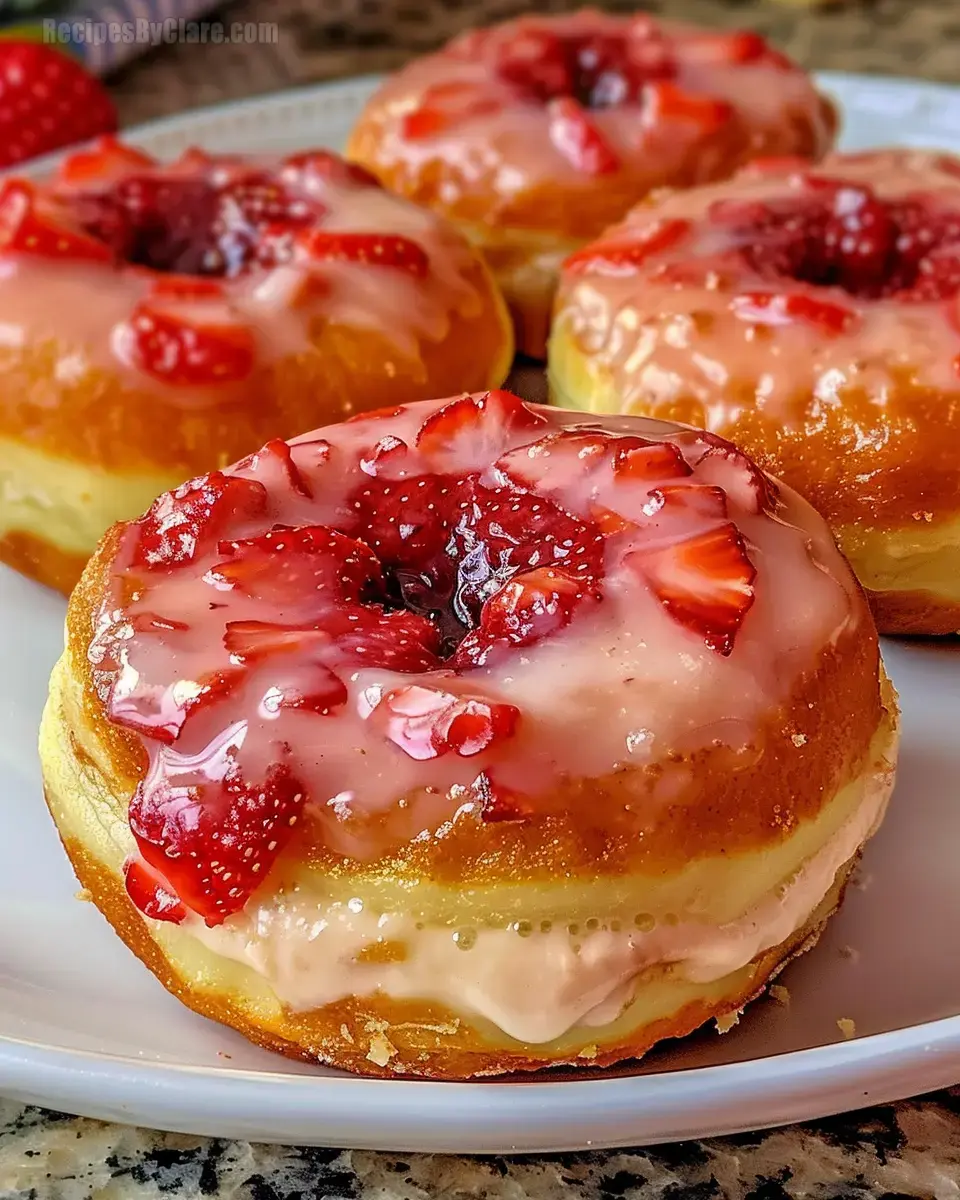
(883, 1154)
(908, 1150)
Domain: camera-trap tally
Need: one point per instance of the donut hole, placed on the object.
(847, 237)
(191, 226)
(489, 567)
(597, 70)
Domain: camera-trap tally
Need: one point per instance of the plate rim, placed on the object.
(823, 1080)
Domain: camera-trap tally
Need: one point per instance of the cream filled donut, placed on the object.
(158, 321)
(536, 134)
(468, 737)
(812, 315)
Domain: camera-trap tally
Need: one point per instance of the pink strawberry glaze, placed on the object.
(624, 682)
(511, 145)
(87, 309)
(685, 323)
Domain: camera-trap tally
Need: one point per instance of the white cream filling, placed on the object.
(533, 984)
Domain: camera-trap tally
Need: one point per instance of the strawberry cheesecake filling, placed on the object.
(419, 626)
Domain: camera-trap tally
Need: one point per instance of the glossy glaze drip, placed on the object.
(642, 677)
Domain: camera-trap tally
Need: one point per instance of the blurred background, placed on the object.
(312, 40)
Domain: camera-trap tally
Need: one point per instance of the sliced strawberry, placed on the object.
(407, 521)
(182, 351)
(24, 231)
(151, 893)
(665, 102)
(719, 462)
(303, 571)
(700, 499)
(626, 256)
(386, 453)
(330, 167)
(445, 106)
(578, 139)
(474, 430)
(186, 288)
(190, 520)
(737, 47)
(215, 841)
(705, 583)
(49, 100)
(106, 160)
(777, 308)
(498, 803)
(559, 463)
(371, 249)
(859, 238)
(278, 451)
(532, 606)
(427, 723)
(649, 463)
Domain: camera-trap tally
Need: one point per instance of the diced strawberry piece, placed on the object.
(330, 167)
(859, 238)
(532, 606)
(316, 689)
(427, 723)
(626, 256)
(474, 430)
(777, 308)
(183, 352)
(371, 249)
(151, 893)
(536, 61)
(498, 803)
(49, 100)
(558, 463)
(388, 452)
(610, 523)
(216, 840)
(24, 231)
(277, 450)
(253, 641)
(445, 106)
(190, 520)
(108, 159)
(376, 414)
(578, 138)
(738, 47)
(186, 288)
(719, 462)
(304, 571)
(699, 499)
(650, 463)
(666, 102)
(705, 583)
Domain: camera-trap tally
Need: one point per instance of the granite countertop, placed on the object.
(906, 1150)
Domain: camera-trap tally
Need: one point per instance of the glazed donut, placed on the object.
(813, 317)
(536, 134)
(160, 321)
(467, 738)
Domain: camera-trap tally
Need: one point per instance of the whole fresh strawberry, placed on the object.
(47, 100)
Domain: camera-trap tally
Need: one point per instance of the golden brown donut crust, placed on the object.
(41, 560)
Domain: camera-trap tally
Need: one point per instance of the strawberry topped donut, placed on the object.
(812, 315)
(467, 737)
(536, 134)
(159, 321)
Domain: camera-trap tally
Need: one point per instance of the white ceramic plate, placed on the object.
(84, 1027)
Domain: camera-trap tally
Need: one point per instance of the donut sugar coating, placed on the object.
(160, 321)
(536, 134)
(469, 737)
(811, 315)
